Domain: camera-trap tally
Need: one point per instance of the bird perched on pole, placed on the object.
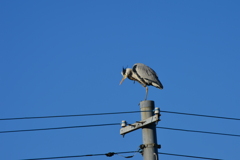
(143, 74)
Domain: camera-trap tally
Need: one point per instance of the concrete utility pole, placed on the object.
(150, 150)
(148, 125)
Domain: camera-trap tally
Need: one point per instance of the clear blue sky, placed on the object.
(65, 57)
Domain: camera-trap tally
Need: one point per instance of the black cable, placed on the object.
(97, 125)
(201, 115)
(181, 155)
(225, 134)
(41, 129)
(75, 115)
(110, 154)
(95, 114)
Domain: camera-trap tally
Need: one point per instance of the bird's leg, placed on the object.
(146, 93)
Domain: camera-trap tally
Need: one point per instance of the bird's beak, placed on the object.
(124, 77)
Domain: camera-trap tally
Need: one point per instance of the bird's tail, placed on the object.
(158, 85)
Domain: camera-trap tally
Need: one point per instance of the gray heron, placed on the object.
(143, 74)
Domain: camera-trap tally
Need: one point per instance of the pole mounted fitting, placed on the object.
(124, 123)
(157, 111)
(142, 146)
(126, 128)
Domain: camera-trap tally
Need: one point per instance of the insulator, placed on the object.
(157, 110)
(124, 123)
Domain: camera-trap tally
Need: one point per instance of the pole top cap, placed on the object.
(146, 103)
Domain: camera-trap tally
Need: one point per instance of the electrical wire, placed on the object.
(186, 130)
(110, 154)
(96, 114)
(201, 115)
(110, 124)
(74, 115)
(41, 129)
(181, 155)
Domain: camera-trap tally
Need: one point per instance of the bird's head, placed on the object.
(125, 72)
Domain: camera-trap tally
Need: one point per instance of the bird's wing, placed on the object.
(145, 72)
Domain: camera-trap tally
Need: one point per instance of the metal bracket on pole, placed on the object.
(139, 124)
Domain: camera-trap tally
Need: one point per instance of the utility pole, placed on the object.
(150, 150)
(148, 125)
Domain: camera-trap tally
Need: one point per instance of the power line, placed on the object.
(111, 124)
(186, 130)
(68, 127)
(110, 154)
(181, 155)
(201, 115)
(74, 115)
(95, 114)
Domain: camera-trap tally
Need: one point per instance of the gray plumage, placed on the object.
(142, 74)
